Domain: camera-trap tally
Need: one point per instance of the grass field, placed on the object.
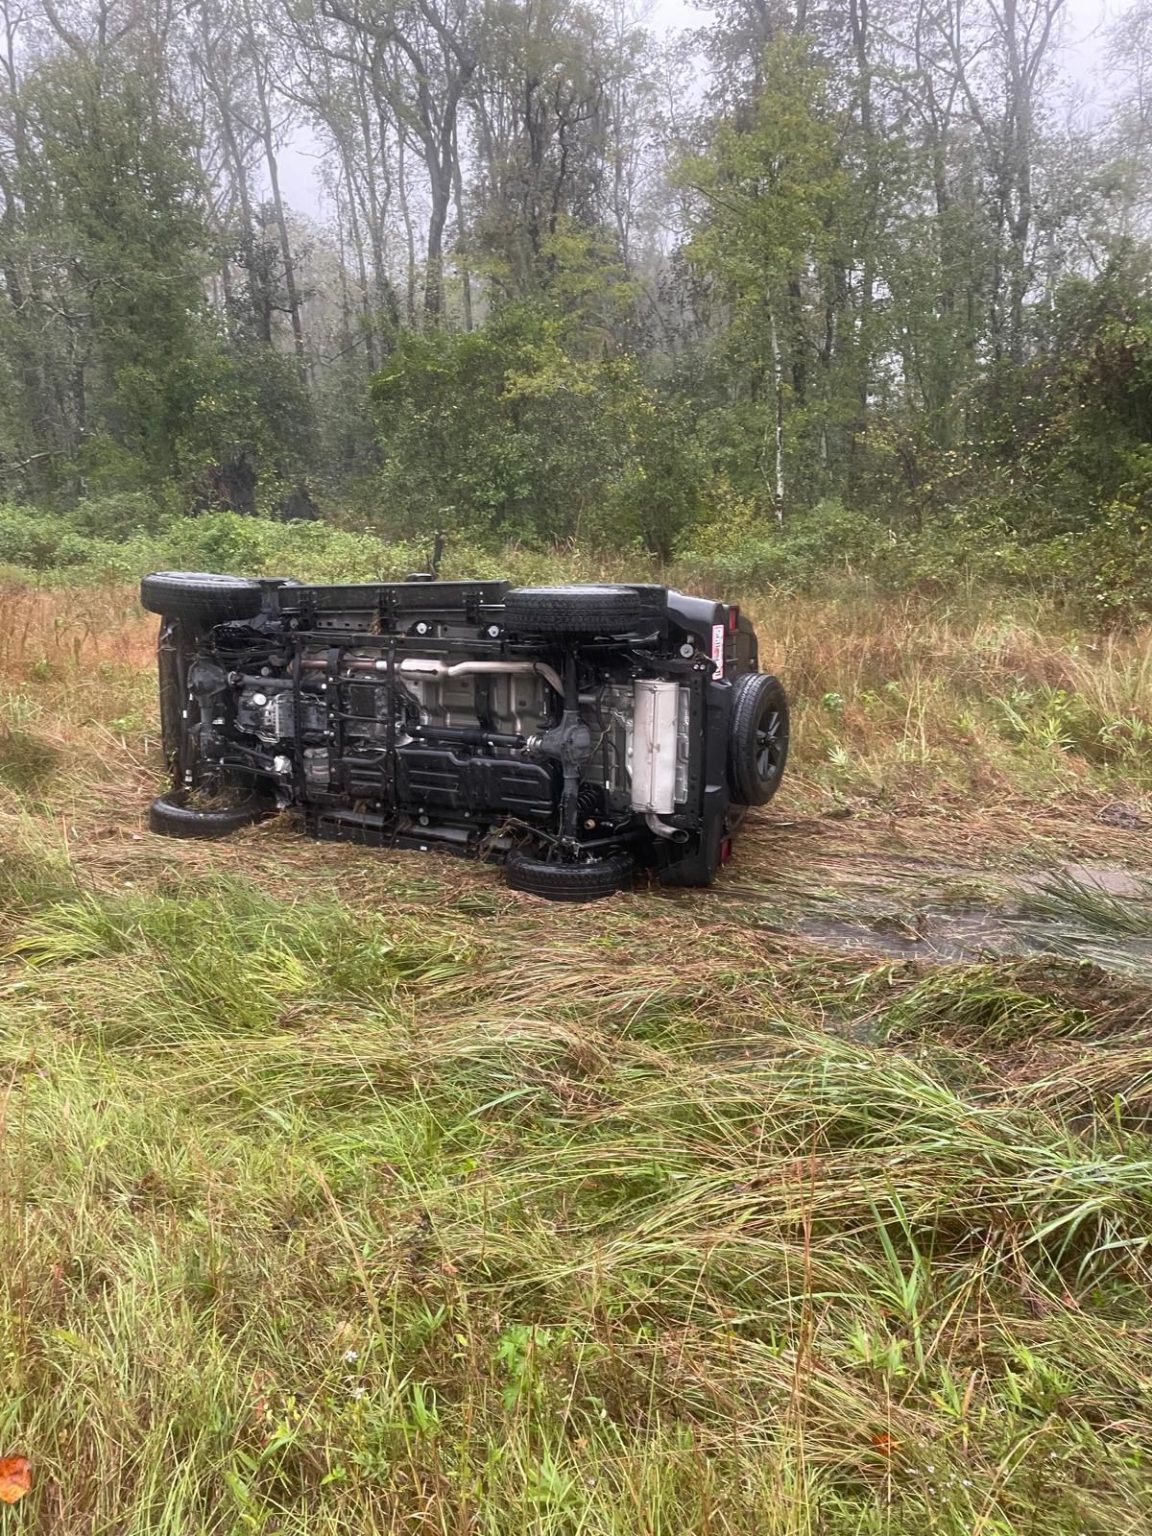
(345, 1191)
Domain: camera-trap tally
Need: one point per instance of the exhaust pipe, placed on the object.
(419, 666)
(428, 666)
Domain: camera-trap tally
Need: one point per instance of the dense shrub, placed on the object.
(48, 547)
(41, 541)
(1103, 575)
(516, 431)
(829, 542)
(1110, 568)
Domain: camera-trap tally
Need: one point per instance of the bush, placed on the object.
(1110, 569)
(513, 432)
(229, 541)
(737, 546)
(119, 515)
(49, 546)
(1104, 575)
(40, 541)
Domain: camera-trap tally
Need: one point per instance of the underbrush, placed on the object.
(56, 549)
(826, 551)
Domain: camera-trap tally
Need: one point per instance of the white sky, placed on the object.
(1086, 23)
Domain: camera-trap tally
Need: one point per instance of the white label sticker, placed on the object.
(718, 648)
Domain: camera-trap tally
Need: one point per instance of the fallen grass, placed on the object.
(320, 1221)
(347, 1192)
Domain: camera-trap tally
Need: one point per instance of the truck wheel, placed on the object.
(568, 882)
(169, 817)
(757, 739)
(582, 610)
(200, 597)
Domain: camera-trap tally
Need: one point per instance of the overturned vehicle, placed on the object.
(573, 732)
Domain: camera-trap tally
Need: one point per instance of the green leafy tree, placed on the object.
(511, 431)
(768, 197)
(1072, 427)
(245, 437)
(116, 204)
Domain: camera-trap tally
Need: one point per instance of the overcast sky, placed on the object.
(1085, 25)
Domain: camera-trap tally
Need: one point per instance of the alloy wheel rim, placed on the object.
(768, 746)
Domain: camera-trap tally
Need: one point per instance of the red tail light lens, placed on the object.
(733, 617)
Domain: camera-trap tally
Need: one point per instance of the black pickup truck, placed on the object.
(573, 732)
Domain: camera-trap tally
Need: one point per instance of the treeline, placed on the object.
(574, 279)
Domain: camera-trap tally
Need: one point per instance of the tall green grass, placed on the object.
(321, 1216)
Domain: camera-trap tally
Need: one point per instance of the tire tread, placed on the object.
(582, 610)
(169, 817)
(201, 597)
(568, 882)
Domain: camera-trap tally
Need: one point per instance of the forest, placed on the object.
(864, 281)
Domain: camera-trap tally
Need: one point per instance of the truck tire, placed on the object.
(568, 882)
(582, 610)
(200, 597)
(169, 817)
(757, 739)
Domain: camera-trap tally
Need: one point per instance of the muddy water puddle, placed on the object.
(915, 909)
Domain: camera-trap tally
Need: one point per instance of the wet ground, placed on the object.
(938, 886)
(933, 909)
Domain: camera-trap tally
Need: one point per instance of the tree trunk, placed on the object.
(440, 185)
(858, 17)
(290, 288)
(777, 419)
(409, 232)
(367, 317)
(458, 197)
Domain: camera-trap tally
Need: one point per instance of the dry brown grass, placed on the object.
(78, 629)
(925, 725)
(905, 703)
